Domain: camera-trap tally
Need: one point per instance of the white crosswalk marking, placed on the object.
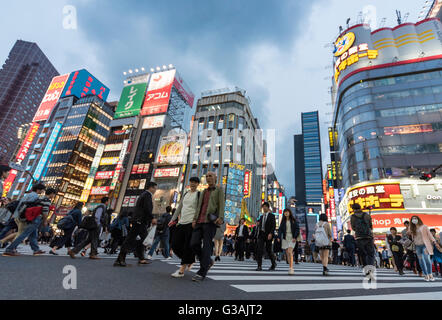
(308, 277)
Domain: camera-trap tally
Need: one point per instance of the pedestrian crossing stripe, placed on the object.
(243, 276)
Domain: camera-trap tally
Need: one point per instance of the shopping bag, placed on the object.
(150, 236)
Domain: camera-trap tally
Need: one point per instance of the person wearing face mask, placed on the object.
(424, 242)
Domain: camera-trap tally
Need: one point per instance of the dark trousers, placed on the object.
(399, 260)
(203, 232)
(240, 247)
(117, 239)
(262, 241)
(248, 250)
(414, 261)
(296, 252)
(138, 229)
(351, 255)
(181, 238)
(66, 239)
(366, 251)
(335, 256)
(91, 238)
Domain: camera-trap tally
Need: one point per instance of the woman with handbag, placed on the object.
(425, 242)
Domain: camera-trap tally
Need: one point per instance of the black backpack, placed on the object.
(12, 206)
(361, 227)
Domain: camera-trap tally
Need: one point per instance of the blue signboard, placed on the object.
(47, 151)
(81, 83)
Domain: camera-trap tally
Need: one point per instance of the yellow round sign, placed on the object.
(171, 149)
(344, 43)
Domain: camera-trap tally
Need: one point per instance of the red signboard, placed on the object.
(378, 196)
(104, 175)
(158, 93)
(27, 143)
(140, 168)
(388, 220)
(51, 97)
(166, 173)
(178, 83)
(8, 182)
(247, 183)
(100, 191)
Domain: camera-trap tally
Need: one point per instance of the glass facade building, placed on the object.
(308, 161)
(24, 79)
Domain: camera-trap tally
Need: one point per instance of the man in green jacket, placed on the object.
(208, 216)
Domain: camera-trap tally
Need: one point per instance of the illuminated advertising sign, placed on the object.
(172, 149)
(141, 168)
(8, 182)
(181, 87)
(154, 122)
(379, 196)
(90, 179)
(247, 183)
(113, 147)
(381, 221)
(131, 100)
(410, 129)
(158, 93)
(81, 83)
(47, 151)
(108, 161)
(166, 172)
(344, 43)
(120, 163)
(50, 98)
(104, 175)
(27, 143)
(100, 191)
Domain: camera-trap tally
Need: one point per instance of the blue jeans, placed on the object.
(30, 232)
(424, 260)
(164, 238)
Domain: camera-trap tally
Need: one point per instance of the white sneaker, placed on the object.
(169, 258)
(291, 271)
(149, 257)
(432, 278)
(427, 278)
(177, 274)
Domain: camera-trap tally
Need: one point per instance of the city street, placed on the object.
(227, 280)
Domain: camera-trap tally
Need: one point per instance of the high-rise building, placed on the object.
(226, 139)
(308, 161)
(387, 100)
(24, 78)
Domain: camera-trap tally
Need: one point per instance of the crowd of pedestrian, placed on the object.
(196, 231)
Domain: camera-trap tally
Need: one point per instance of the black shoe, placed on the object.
(296, 262)
(54, 253)
(272, 268)
(259, 269)
(325, 272)
(119, 263)
(198, 278)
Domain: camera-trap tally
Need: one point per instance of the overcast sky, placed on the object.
(275, 50)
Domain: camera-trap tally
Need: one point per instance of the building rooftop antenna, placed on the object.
(383, 21)
(399, 18)
(406, 17)
(348, 23)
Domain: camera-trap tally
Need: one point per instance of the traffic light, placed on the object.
(427, 176)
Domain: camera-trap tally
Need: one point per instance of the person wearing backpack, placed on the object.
(162, 234)
(41, 206)
(93, 224)
(71, 221)
(362, 225)
(118, 229)
(323, 240)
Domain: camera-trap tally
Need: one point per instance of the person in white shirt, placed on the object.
(183, 233)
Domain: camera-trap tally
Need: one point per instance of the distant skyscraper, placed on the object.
(24, 79)
(308, 161)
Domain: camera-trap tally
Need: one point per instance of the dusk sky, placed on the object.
(275, 50)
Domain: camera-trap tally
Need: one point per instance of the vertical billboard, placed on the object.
(47, 151)
(50, 98)
(158, 93)
(81, 83)
(90, 179)
(27, 142)
(172, 149)
(182, 88)
(132, 98)
(119, 167)
(247, 183)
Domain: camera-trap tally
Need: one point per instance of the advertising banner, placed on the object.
(154, 122)
(81, 83)
(47, 151)
(182, 88)
(158, 93)
(8, 182)
(119, 164)
(102, 175)
(141, 168)
(131, 100)
(166, 172)
(247, 183)
(172, 149)
(113, 147)
(378, 196)
(100, 190)
(381, 221)
(109, 161)
(50, 98)
(27, 143)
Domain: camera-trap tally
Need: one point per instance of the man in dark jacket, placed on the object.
(350, 247)
(241, 234)
(362, 226)
(142, 218)
(265, 231)
(335, 248)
